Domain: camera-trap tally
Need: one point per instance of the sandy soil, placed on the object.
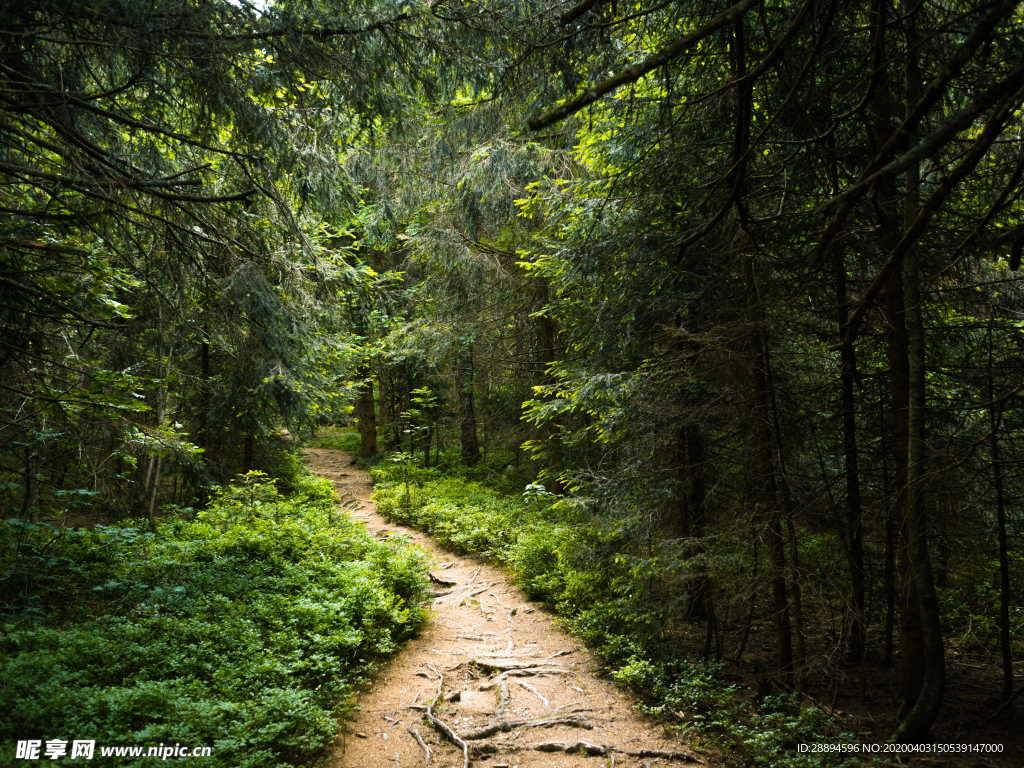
(499, 661)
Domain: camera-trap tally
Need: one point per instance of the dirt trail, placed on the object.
(509, 679)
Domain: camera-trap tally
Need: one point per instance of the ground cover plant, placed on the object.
(246, 627)
(554, 553)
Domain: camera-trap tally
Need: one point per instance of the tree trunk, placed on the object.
(921, 717)
(366, 417)
(767, 470)
(546, 345)
(995, 415)
(385, 414)
(247, 452)
(853, 532)
(796, 597)
(205, 436)
(467, 410)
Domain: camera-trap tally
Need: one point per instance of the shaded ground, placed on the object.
(499, 663)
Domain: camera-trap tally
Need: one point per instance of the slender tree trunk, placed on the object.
(890, 564)
(767, 470)
(995, 415)
(247, 452)
(790, 518)
(205, 436)
(467, 415)
(853, 532)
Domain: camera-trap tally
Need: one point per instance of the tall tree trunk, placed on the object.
(889, 555)
(853, 532)
(546, 345)
(205, 435)
(247, 451)
(921, 717)
(365, 415)
(790, 518)
(385, 413)
(467, 410)
(767, 470)
(692, 496)
(882, 126)
(995, 415)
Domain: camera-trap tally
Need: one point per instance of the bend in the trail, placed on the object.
(517, 690)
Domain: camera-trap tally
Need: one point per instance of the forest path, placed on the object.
(502, 667)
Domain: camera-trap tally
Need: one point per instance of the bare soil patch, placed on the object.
(516, 689)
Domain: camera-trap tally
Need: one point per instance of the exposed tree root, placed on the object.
(503, 664)
(419, 740)
(505, 697)
(504, 726)
(665, 754)
(440, 682)
(532, 671)
(576, 746)
(447, 731)
(534, 691)
(441, 581)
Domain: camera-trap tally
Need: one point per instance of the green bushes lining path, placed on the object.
(247, 628)
(560, 556)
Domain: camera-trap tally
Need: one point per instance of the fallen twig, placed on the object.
(421, 742)
(447, 731)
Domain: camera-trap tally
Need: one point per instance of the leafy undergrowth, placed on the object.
(344, 438)
(555, 552)
(246, 628)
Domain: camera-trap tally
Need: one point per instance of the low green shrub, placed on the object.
(246, 628)
(343, 438)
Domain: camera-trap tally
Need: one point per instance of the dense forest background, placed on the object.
(732, 292)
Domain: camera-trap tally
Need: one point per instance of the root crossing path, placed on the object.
(488, 682)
